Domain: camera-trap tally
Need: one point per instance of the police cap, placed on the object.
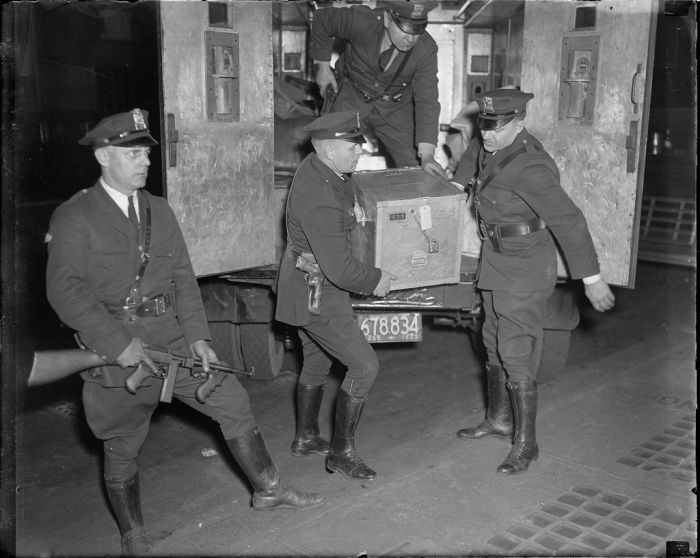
(344, 125)
(126, 129)
(410, 16)
(500, 106)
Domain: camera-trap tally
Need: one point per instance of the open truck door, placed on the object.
(589, 65)
(218, 164)
(218, 136)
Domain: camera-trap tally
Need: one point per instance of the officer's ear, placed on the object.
(328, 149)
(387, 19)
(520, 124)
(102, 156)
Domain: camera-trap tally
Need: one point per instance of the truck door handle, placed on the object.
(637, 95)
(172, 139)
(631, 143)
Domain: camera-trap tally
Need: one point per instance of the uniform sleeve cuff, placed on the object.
(426, 149)
(592, 279)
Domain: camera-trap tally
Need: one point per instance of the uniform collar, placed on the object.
(340, 184)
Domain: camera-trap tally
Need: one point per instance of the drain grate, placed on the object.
(588, 521)
(670, 453)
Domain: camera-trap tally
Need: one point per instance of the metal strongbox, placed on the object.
(412, 226)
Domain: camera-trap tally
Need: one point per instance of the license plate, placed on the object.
(391, 327)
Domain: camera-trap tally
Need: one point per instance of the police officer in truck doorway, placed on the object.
(387, 73)
(119, 274)
(521, 209)
(321, 211)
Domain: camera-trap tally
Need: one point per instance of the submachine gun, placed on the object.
(50, 366)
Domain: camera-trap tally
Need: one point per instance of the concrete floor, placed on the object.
(614, 478)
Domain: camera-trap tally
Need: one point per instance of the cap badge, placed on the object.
(417, 11)
(488, 104)
(139, 122)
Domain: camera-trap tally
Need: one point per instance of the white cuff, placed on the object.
(426, 149)
(592, 279)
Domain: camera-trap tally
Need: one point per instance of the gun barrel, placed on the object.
(219, 367)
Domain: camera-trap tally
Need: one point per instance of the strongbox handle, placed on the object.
(172, 140)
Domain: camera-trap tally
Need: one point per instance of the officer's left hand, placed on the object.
(600, 295)
(205, 352)
(432, 167)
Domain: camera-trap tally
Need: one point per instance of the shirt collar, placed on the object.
(122, 200)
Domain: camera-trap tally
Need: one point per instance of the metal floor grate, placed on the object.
(668, 230)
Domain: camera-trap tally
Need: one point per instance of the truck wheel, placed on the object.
(555, 352)
(226, 338)
(261, 350)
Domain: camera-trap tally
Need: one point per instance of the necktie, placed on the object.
(384, 58)
(132, 212)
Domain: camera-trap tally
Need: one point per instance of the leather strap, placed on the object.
(498, 167)
(153, 307)
(516, 229)
(145, 256)
(371, 97)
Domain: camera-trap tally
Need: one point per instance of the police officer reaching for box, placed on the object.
(316, 274)
(521, 208)
(387, 73)
(119, 274)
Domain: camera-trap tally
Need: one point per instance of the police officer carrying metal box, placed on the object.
(321, 211)
(119, 274)
(521, 208)
(387, 73)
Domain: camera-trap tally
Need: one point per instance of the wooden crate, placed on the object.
(413, 226)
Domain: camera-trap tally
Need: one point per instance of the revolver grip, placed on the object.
(137, 377)
(204, 389)
(314, 283)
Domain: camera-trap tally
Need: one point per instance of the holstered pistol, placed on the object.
(314, 283)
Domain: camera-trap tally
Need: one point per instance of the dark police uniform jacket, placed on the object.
(93, 259)
(320, 215)
(363, 29)
(525, 189)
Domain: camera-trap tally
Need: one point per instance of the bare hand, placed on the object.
(135, 354)
(325, 77)
(384, 285)
(600, 295)
(432, 167)
(205, 352)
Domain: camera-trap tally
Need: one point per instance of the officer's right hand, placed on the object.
(600, 295)
(135, 354)
(384, 285)
(325, 77)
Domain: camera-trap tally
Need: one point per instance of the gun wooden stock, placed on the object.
(50, 366)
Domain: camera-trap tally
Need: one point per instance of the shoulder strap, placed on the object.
(396, 73)
(503, 163)
(145, 256)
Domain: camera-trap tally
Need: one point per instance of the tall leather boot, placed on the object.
(499, 416)
(342, 456)
(251, 454)
(308, 437)
(126, 503)
(524, 450)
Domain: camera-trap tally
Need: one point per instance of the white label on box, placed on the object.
(426, 220)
